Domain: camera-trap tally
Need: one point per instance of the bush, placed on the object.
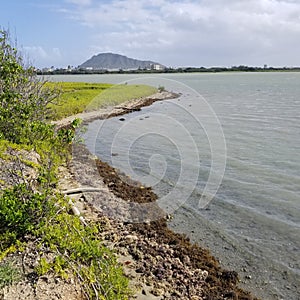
(75, 248)
(34, 211)
(23, 97)
(21, 210)
(161, 89)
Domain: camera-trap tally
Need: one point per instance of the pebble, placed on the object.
(131, 238)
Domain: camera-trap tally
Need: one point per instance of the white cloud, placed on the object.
(191, 32)
(42, 57)
(79, 2)
(36, 51)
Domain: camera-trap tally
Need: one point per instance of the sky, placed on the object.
(172, 32)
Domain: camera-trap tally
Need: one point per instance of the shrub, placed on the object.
(21, 210)
(23, 97)
(36, 211)
(161, 89)
(78, 249)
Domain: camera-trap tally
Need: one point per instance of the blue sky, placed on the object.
(172, 32)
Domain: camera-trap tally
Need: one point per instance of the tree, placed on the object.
(24, 98)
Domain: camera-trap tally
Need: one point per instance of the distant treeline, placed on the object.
(171, 70)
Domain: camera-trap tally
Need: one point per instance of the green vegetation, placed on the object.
(21, 211)
(8, 274)
(78, 250)
(119, 94)
(77, 97)
(30, 208)
(74, 97)
(23, 98)
(161, 89)
(241, 68)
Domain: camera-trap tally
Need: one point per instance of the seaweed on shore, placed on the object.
(219, 284)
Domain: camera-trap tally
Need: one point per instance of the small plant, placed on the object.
(67, 134)
(8, 274)
(43, 267)
(161, 89)
(77, 249)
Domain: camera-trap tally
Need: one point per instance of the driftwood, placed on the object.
(82, 190)
(74, 208)
(76, 212)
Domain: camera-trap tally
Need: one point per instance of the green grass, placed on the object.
(74, 97)
(77, 97)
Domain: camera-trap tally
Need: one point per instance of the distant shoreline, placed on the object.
(245, 69)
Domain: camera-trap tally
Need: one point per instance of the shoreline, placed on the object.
(161, 263)
(126, 107)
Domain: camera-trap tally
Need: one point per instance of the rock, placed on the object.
(131, 238)
(157, 291)
(186, 260)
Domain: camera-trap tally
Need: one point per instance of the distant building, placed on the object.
(157, 67)
(48, 69)
(69, 68)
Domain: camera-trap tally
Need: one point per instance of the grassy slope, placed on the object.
(77, 97)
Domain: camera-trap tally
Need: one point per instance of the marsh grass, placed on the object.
(118, 94)
(77, 97)
(74, 97)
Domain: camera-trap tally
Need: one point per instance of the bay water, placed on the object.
(224, 159)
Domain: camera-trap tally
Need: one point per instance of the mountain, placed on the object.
(111, 61)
